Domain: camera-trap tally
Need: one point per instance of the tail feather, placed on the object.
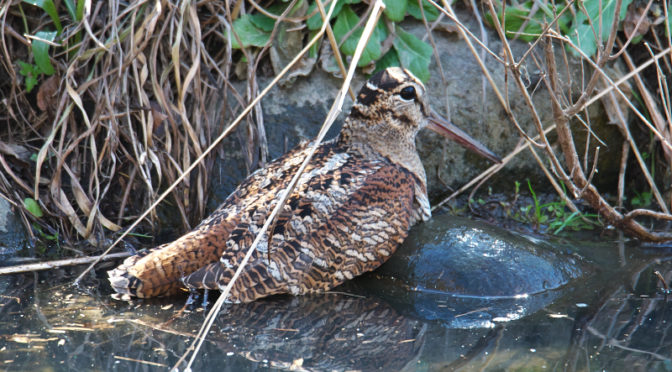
(159, 271)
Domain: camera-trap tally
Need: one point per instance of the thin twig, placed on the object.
(60, 263)
(333, 113)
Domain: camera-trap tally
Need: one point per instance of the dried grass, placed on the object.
(128, 110)
(565, 164)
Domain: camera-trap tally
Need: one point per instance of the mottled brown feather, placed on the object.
(352, 207)
(334, 227)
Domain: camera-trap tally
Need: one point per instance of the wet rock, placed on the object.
(12, 233)
(471, 274)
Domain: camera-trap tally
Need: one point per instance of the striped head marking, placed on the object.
(389, 108)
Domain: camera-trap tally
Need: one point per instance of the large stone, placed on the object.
(12, 233)
(450, 266)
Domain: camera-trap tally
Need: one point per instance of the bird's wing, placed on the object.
(346, 217)
(159, 271)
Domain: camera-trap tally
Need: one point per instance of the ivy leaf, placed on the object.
(315, 22)
(391, 58)
(249, 34)
(346, 21)
(431, 13)
(414, 54)
(264, 22)
(582, 33)
(31, 206)
(395, 10)
(41, 51)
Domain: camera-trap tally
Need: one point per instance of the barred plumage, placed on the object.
(353, 206)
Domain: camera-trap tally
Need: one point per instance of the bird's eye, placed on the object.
(408, 93)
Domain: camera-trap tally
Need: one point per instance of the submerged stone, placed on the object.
(12, 233)
(472, 274)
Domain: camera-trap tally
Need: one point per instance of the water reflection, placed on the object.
(65, 328)
(625, 325)
(325, 332)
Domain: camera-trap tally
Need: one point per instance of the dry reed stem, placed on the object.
(219, 303)
(48, 265)
(331, 117)
(573, 174)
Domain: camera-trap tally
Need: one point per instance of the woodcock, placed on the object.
(352, 207)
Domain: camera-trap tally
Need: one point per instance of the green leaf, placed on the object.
(668, 22)
(431, 13)
(249, 34)
(31, 206)
(414, 54)
(395, 10)
(49, 8)
(313, 52)
(519, 14)
(262, 22)
(41, 51)
(72, 8)
(388, 60)
(315, 22)
(581, 33)
(30, 72)
(30, 82)
(346, 21)
(27, 69)
(265, 22)
(76, 11)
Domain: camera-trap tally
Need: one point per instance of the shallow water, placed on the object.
(615, 318)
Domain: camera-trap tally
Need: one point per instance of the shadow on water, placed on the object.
(613, 319)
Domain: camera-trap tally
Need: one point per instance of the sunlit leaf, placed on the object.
(348, 20)
(390, 59)
(315, 22)
(249, 34)
(431, 13)
(395, 10)
(31, 206)
(581, 33)
(41, 51)
(414, 54)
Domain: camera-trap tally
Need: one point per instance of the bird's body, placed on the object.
(352, 207)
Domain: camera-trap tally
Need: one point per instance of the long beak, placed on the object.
(448, 130)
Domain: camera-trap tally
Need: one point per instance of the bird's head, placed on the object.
(390, 110)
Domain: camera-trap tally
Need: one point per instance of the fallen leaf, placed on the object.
(634, 14)
(46, 95)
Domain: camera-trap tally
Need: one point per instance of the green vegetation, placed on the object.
(527, 20)
(405, 49)
(43, 39)
(555, 215)
(33, 207)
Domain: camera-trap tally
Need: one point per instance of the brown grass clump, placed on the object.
(566, 167)
(137, 92)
